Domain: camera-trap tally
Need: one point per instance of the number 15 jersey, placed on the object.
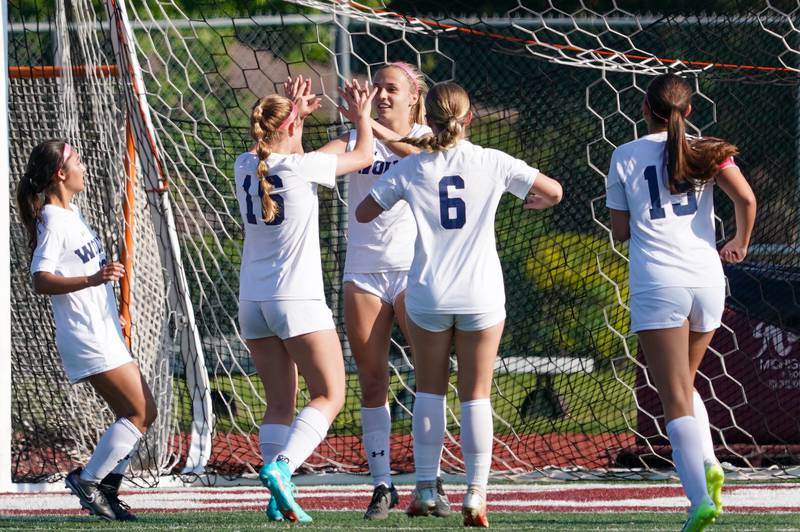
(672, 235)
(281, 259)
(453, 195)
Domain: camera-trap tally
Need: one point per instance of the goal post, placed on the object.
(5, 264)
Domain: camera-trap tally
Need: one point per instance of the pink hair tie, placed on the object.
(289, 119)
(728, 163)
(408, 72)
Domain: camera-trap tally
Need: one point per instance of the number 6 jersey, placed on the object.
(281, 259)
(672, 235)
(453, 195)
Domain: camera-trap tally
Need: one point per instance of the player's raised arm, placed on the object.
(359, 102)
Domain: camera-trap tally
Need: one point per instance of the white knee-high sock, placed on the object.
(444, 416)
(428, 430)
(376, 424)
(272, 438)
(476, 441)
(123, 464)
(701, 415)
(308, 430)
(115, 445)
(684, 436)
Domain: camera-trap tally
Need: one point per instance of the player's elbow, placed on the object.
(748, 200)
(621, 234)
(40, 286)
(365, 157)
(556, 194)
(363, 213)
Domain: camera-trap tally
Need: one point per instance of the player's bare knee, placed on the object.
(150, 414)
(374, 392)
(335, 398)
(280, 410)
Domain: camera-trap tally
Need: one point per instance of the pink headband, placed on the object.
(408, 72)
(289, 119)
(65, 155)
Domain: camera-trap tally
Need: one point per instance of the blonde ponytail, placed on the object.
(448, 107)
(269, 208)
(265, 120)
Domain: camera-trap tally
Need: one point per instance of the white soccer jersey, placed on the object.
(281, 259)
(387, 242)
(672, 235)
(453, 195)
(88, 333)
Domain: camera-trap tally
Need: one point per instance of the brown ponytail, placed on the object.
(448, 107)
(691, 162)
(44, 162)
(265, 120)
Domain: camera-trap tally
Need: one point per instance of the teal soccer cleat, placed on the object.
(276, 477)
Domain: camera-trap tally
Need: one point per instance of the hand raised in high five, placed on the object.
(346, 92)
(358, 99)
(298, 89)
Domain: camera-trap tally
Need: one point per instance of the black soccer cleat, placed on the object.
(90, 495)
(110, 488)
(383, 499)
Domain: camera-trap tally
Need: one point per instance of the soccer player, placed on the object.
(70, 265)
(455, 284)
(282, 312)
(660, 192)
(379, 255)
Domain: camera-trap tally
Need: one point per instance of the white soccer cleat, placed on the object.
(423, 502)
(474, 509)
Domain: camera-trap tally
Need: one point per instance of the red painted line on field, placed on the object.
(455, 507)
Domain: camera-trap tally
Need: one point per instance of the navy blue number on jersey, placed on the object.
(656, 210)
(446, 203)
(276, 182)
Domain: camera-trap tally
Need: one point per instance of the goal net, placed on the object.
(156, 98)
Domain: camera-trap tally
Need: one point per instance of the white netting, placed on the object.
(558, 89)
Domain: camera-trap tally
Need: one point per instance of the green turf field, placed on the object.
(212, 521)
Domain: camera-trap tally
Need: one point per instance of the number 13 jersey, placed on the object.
(281, 259)
(453, 195)
(672, 235)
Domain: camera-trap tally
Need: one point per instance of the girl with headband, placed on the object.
(660, 193)
(282, 312)
(379, 255)
(69, 264)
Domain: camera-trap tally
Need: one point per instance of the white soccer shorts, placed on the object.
(437, 322)
(669, 307)
(385, 285)
(283, 318)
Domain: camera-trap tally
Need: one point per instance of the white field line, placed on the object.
(751, 496)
